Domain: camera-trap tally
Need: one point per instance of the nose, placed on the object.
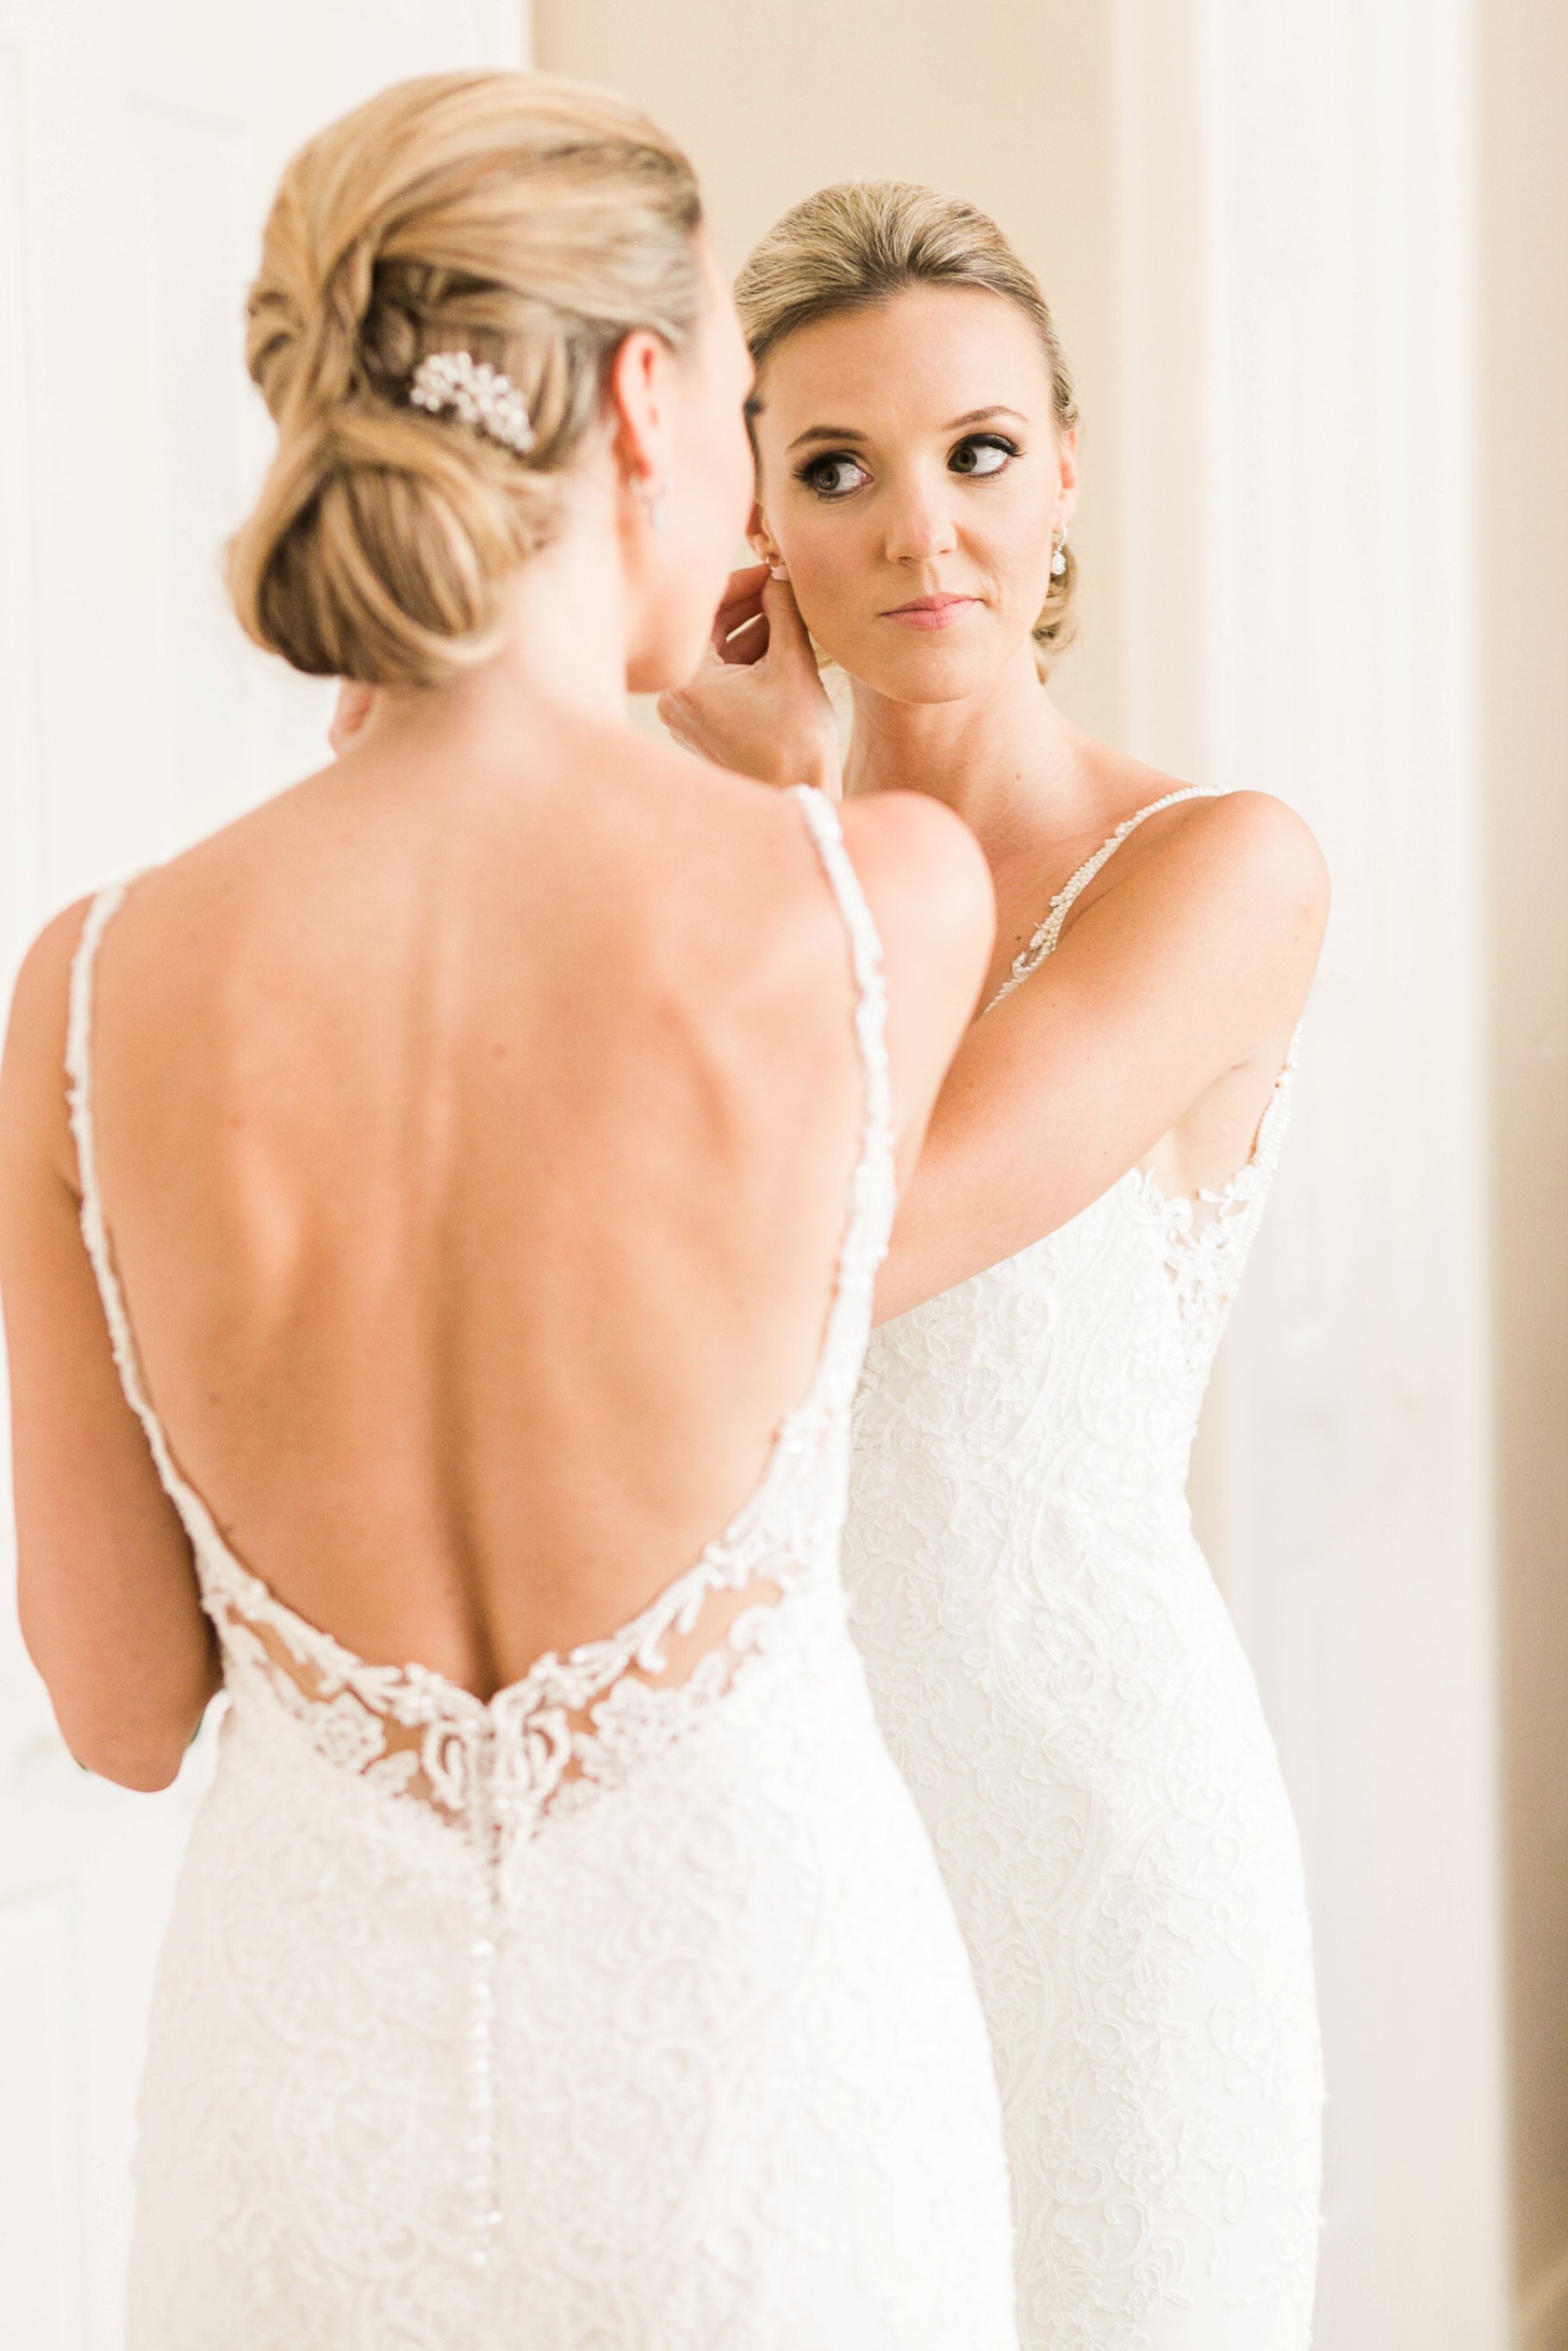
(920, 522)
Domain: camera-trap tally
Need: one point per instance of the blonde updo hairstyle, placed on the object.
(531, 223)
(853, 247)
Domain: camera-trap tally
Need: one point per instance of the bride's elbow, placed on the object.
(142, 1764)
(139, 1757)
(136, 1738)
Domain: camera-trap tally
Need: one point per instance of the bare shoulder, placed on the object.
(46, 967)
(32, 1079)
(40, 998)
(1260, 842)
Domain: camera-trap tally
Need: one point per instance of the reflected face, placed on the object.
(912, 479)
(712, 484)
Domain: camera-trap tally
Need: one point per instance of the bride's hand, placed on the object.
(755, 702)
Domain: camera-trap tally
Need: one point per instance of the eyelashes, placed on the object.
(975, 445)
(838, 473)
(818, 473)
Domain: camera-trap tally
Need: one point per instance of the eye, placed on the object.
(980, 453)
(833, 474)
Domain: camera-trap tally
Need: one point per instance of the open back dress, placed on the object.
(615, 2013)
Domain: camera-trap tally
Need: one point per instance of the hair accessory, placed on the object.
(478, 394)
(1058, 553)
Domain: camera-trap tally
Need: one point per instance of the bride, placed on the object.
(1049, 1655)
(483, 1155)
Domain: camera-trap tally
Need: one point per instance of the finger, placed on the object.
(733, 615)
(675, 715)
(747, 644)
(746, 581)
(743, 586)
(788, 636)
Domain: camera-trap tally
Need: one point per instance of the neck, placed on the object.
(1006, 761)
(562, 655)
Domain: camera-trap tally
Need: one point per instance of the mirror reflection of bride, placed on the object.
(1051, 1662)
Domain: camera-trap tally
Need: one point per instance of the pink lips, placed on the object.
(931, 612)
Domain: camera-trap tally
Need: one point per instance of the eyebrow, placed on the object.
(848, 433)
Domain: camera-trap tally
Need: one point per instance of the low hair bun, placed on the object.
(379, 550)
(525, 222)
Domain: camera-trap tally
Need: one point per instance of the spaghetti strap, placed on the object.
(84, 1132)
(865, 949)
(193, 1512)
(244, 1606)
(1044, 940)
(872, 1191)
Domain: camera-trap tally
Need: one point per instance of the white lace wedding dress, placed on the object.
(601, 2017)
(1062, 1689)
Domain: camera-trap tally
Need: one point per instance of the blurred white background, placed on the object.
(1311, 266)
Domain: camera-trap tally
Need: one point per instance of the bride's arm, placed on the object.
(106, 1587)
(1189, 967)
(1195, 959)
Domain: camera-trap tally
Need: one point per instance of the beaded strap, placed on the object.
(1043, 943)
(873, 1193)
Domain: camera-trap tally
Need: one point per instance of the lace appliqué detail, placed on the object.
(1205, 1236)
(579, 1719)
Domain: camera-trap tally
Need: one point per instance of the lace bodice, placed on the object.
(1058, 1681)
(494, 2020)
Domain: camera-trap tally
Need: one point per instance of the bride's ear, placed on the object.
(1068, 461)
(763, 544)
(638, 399)
(352, 716)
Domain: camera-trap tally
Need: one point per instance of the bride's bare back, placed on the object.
(475, 1155)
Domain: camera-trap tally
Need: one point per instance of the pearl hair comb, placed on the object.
(478, 394)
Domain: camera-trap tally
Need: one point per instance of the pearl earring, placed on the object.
(1058, 552)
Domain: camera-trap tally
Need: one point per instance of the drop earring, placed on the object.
(1058, 552)
(652, 489)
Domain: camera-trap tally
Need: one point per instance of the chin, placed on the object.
(926, 670)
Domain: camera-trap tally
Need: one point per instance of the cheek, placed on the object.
(1019, 544)
(826, 561)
